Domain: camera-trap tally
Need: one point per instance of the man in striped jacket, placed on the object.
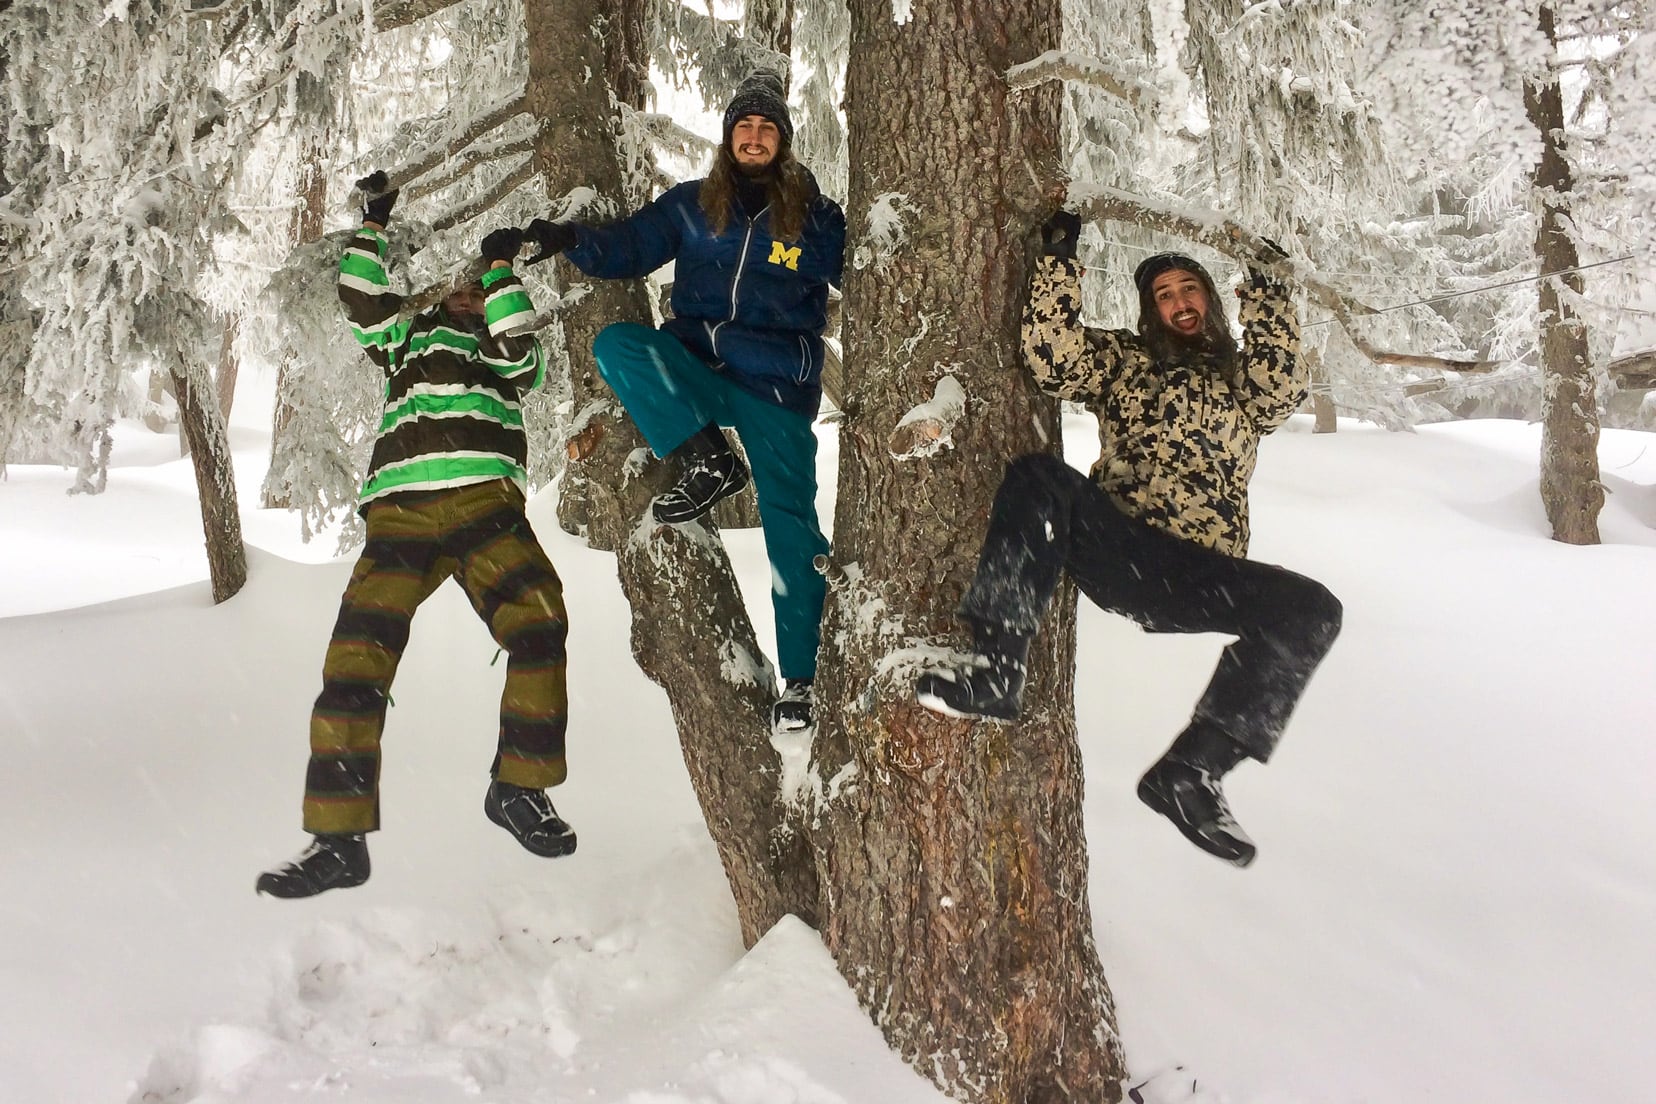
(444, 498)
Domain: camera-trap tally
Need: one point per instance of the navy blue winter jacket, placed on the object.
(743, 302)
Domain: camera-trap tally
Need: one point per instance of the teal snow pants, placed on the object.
(671, 394)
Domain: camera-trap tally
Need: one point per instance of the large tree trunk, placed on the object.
(1570, 486)
(1322, 396)
(198, 417)
(576, 146)
(224, 380)
(956, 860)
(691, 632)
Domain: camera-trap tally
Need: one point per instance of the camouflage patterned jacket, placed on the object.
(1179, 441)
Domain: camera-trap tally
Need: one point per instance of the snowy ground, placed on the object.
(1454, 900)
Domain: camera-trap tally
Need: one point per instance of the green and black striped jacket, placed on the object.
(453, 414)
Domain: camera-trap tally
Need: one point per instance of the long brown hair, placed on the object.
(789, 188)
(1213, 343)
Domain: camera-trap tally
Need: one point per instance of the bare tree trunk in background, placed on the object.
(224, 381)
(153, 420)
(1322, 399)
(306, 227)
(956, 861)
(690, 626)
(1570, 487)
(627, 51)
(576, 146)
(198, 417)
(770, 23)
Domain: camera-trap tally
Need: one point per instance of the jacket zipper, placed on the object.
(735, 281)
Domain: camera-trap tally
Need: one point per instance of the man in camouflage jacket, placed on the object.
(1160, 531)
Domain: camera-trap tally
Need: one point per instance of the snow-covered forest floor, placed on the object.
(1454, 900)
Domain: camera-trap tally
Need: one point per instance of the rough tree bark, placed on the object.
(224, 380)
(1570, 487)
(209, 446)
(956, 860)
(570, 70)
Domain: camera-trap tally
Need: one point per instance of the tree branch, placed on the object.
(1224, 236)
(390, 14)
(455, 147)
(1635, 369)
(468, 161)
(507, 185)
(1082, 69)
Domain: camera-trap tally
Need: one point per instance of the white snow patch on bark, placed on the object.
(932, 422)
(886, 232)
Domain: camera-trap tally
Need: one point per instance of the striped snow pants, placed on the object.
(479, 536)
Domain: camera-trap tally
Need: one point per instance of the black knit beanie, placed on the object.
(1151, 267)
(760, 94)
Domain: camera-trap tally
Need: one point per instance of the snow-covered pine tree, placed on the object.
(116, 146)
(1541, 139)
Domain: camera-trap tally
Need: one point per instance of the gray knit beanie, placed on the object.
(760, 94)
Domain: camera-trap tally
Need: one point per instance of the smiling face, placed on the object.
(754, 142)
(1181, 301)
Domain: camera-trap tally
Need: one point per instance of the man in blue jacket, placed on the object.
(756, 245)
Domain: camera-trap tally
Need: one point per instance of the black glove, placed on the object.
(1059, 235)
(552, 238)
(502, 244)
(381, 197)
(1269, 253)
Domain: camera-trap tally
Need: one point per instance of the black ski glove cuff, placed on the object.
(1059, 235)
(380, 197)
(552, 238)
(502, 244)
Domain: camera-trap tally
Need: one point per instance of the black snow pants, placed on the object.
(1047, 516)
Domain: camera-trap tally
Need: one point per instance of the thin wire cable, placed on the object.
(1479, 290)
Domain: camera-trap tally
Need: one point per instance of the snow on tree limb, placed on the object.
(928, 428)
(1058, 65)
(468, 161)
(508, 184)
(1223, 235)
(390, 14)
(409, 137)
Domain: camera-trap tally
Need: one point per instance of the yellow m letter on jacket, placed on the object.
(785, 255)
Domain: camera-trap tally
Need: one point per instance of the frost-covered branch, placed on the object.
(390, 14)
(405, 139)
(1223, 235)
(667, 133)
(505, 187)
(716, 47)
(468, 161)
(1082, 69)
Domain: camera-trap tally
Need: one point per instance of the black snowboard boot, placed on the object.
(793, 711)
(1183, 786)
(330, 862)
(529, 816)
(990, 684)
(708, 473)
